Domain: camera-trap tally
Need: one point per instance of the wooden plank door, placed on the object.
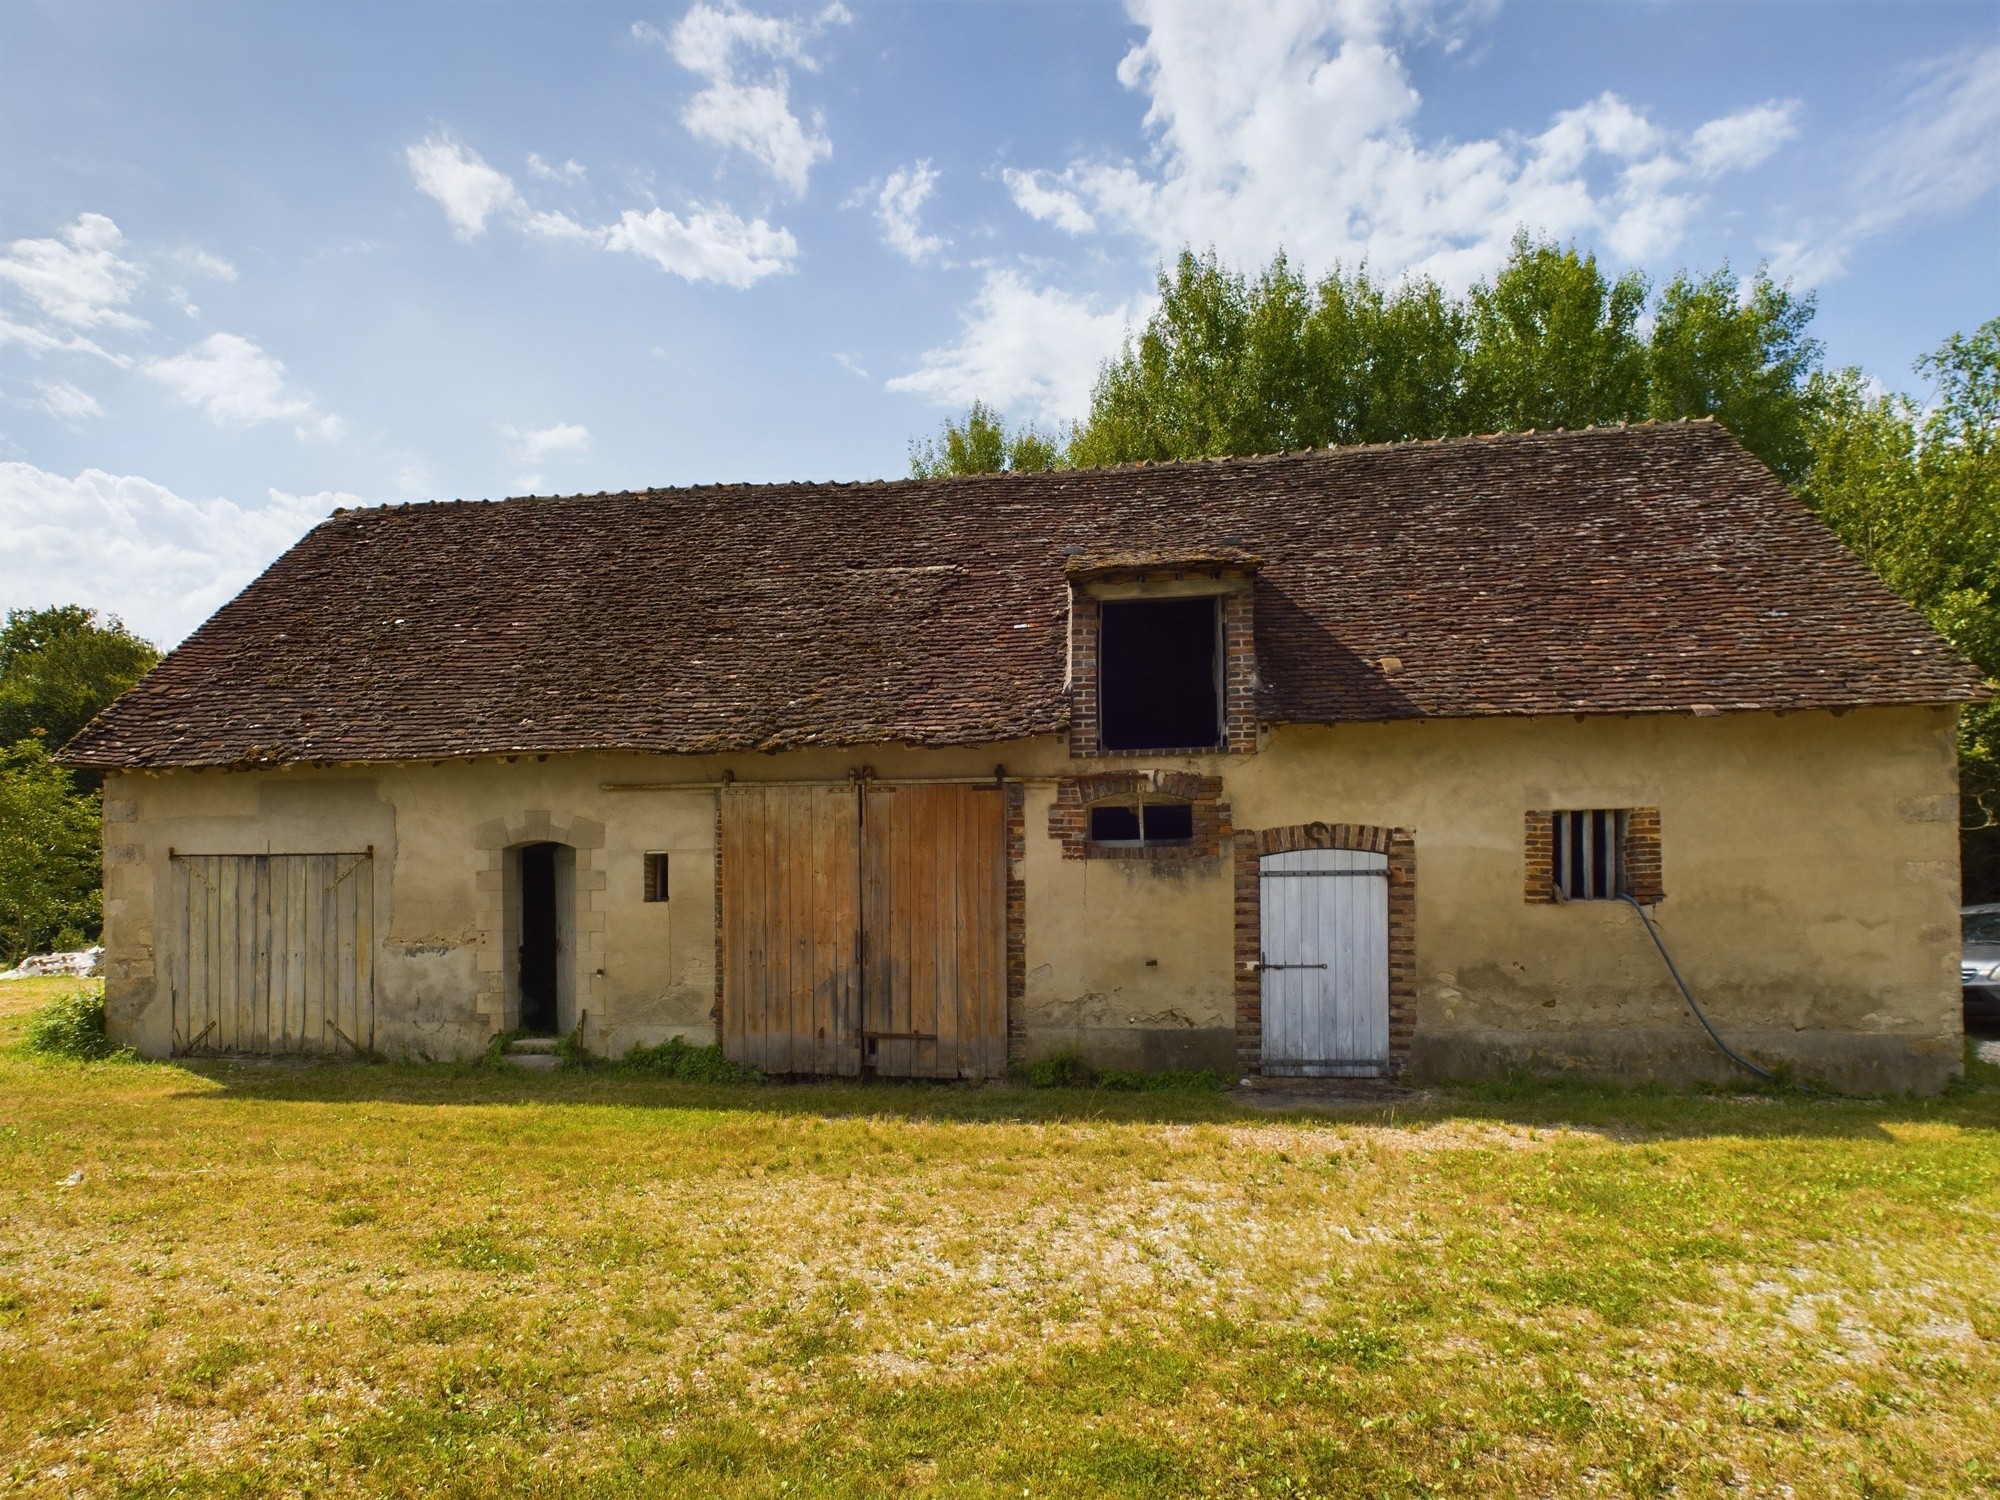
(1325, 962)
(273, 953)
(934, 908)
(790, 881)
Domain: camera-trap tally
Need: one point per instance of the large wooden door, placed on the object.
(865, 929)
(273, 953)
(1325, 962)
(934, 909)
(791, 979)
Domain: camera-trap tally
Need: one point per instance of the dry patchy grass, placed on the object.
(363, 1280)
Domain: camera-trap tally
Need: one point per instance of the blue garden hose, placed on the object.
(1716, 1036)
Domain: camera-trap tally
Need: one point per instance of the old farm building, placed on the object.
(1331, 763)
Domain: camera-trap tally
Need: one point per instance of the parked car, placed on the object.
(1979, 966)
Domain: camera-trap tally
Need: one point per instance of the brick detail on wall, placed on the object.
(1401, 847)
(1643, 875)
(1069, 814)
(1084, 619)
(715, 1013)
(1239, 674)
(1540, 842)
(1643, 871)
(1017, 920)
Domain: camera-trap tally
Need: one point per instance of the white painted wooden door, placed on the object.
(1325, 963)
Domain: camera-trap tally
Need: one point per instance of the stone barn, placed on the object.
(1342, 763)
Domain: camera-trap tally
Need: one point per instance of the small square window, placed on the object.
(656, 877)
(1169, 822)
(1589, 854)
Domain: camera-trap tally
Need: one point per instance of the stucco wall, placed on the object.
(1810, 872)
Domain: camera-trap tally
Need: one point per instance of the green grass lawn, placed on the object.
(380, 1280)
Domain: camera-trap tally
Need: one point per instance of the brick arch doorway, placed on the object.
(1351, 857)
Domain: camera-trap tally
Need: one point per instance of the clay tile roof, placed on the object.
(1160, 560)
(1651, 569)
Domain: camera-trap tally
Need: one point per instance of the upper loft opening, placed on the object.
(1159, 677)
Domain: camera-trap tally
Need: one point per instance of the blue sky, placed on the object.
(257, 261)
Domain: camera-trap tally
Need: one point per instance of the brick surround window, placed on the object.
(1162, 654)
(1593, 854)
(1157, 816)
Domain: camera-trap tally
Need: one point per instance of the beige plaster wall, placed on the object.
(641, 971)
(1810, 866)
(1810, 871)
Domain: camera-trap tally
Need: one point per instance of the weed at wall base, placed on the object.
(674, 1058)
(72, 1026)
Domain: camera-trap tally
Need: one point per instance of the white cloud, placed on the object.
(711, 244)
(469, 191)
(1023, 348)
(569, 171)
(1939, 155)
(238, 384)
(133, 548)
(208, 265)
(532, 445)
(66, 402)
(742, 107)
(41, 341)
(1745, 139)
(898, 209)
(1052, 205)
(1293, 123)
(76, 278)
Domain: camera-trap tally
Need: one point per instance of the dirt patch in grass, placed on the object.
(353, 1280)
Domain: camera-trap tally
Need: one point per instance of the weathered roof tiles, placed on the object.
(1616, 570)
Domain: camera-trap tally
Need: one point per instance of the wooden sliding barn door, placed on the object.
(273, 953)
(865, 929)
(790, 935)
(934, 907)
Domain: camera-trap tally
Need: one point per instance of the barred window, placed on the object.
(1588, 851)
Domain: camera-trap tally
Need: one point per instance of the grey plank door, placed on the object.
(1325, 962)
(273, 953)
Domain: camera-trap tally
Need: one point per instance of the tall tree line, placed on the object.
(58, 668)
(1230, 363)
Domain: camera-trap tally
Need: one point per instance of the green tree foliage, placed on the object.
(49, 895)
(1554, 344)
(1231, 365)
(1747, 361)
(1915, 491)
(60, 667)
(981, 444)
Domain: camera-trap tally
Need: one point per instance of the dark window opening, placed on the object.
(1142, 824)
(1156, 666)
(1114, 825)
(538, 939)
(1589, 850)
(656, 877)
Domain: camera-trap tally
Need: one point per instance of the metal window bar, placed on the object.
(1589, 854)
